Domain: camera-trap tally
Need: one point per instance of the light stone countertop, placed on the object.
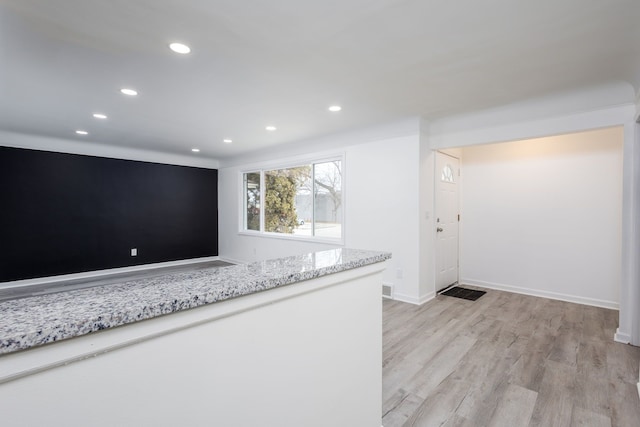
(38, 320)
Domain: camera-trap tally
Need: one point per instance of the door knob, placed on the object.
(438, 229)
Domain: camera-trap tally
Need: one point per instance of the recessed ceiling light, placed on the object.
(271, 128)
(129, 92)
(335, 108)
(82, 132)
(180, 48)
(99, 116)
(227, 141)
(195, 150)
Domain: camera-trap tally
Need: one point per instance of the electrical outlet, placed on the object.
(134, 252)
(399, 273)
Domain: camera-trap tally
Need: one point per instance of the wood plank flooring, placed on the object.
(506, 360)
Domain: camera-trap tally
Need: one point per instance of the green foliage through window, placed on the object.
(303, 201)
(281, 188)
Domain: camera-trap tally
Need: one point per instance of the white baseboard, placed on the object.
(426, 298)
(405, 298)
(622, 337)
(413, 300)
(544, 294)
(233, 261)
(100, 273)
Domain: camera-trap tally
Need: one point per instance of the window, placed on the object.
(301, 201)
(252, 200)
(447, 174)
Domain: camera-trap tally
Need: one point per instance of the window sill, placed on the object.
(308, 239)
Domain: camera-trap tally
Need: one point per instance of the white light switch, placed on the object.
(134, 252)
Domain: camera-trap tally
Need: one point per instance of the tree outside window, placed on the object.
(282, 186)
(302, 201)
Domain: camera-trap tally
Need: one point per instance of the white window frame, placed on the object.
(287, 165)
(243, 202)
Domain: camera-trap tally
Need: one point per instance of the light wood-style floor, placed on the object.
(506, 360)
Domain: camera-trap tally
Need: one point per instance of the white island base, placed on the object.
(307, 354)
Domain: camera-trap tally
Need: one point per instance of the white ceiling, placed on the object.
(284, 62)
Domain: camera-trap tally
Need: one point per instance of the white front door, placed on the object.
(446, 219)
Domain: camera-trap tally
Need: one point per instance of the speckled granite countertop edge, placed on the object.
(39, 320)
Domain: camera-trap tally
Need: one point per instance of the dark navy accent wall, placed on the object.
(67, 213)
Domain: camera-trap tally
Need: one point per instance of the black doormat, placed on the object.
(464, 293)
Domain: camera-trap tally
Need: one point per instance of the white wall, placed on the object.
(635, 318)
(544, 216)
(634, 295)
(427, 285)
(381, 205)
(557, 114)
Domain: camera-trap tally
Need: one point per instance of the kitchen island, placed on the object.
(291, 341)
